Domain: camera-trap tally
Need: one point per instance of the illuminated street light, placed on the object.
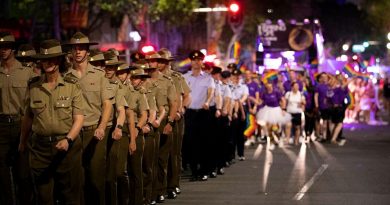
(366, 44)
(388, 45)
(345, 47)
(388, 36)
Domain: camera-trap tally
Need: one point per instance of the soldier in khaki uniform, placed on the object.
(96, 58)
(183, 99)
(13, 88)
(138, 102)
(97, 110)
(118, 141)
(24, 55)
(156, 106)
(54, 113)
(168, 97)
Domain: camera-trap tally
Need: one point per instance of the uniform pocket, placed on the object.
(63, 109)
(37, 107)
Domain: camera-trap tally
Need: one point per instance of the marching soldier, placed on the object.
(54, 113)
(24, 55)
(168, 97)
(97, 110)
(96, 58)
(118, 140)
(137, 101)
(240, 94)
(13, 87)
(156, 106)
(202, 89)
(183, 99)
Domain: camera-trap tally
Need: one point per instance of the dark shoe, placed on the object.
(171, 195)
(177, 190)
(153, 203)
(160, 199)
(213, 175)
(204, 178)
(221, 171)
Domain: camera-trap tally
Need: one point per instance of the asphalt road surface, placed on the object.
(356, 173)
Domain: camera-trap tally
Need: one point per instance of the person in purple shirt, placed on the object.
(321, 102)
(340, 92)
(272, 113)
(310, 115)
(292, 78)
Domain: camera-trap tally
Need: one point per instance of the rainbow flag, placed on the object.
(351, 72)
(251, 126)
(185, 62)
(269, 76)
(351, 101)
(236, 51)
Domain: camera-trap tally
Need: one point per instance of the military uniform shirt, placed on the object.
(53, 110)
(151, 92)
(136, 100)
(199, 86)
(239, 91)
(13, 88)
(95, 90)
(116, 97)
(217, 92)
(225, 91)
(167, 92)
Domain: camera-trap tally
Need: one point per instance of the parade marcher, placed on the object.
(295, 101)
(24, 55)
(96, 58)
(202, 89)
(386, 94)
(287, 85)
(118, 137)
(156, 116)
(215, 112)
(97, 110)
(240, 94)
(310, 115)
(340, 92)
(321, 102)
(54, 113)
(274, 112)
(253, 102)
(183, 99)
(223, 123)
(169, 98)
(13, 87)
(138, 102)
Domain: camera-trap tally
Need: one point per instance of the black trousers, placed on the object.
(193, 143)
(222, 147)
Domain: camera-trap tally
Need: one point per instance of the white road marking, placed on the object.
(257, 153)
(310, 183)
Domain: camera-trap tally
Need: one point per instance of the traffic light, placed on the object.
(235, 14)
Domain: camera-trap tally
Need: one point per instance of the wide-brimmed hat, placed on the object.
(139, 73)
(6, 38)
(196, 54)
(49, 49)
(95, 55)
(80, 39)
(166, 54)
(153, 56)
(114, 51)
(25, 51)
(111, 59)
(142, 64)
(124, 67)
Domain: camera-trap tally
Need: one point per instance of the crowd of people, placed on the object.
(84, 127)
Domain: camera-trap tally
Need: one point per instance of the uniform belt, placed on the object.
(9, 118)
(48, 139)
(91, 127)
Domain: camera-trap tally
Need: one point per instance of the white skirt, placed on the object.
(272, 115)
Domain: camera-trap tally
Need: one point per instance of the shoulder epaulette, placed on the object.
(113, 82)
(142, 90)
(167, 77)
(70, 79)
(34, 80)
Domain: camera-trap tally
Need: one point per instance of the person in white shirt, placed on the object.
(295, 106)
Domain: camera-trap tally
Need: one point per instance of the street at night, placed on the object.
(355, 174)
